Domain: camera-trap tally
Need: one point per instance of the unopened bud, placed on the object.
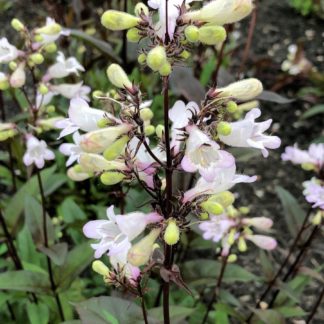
(76, 173)
(100, 267)
(141, 8)
(116, 148)
(232, 212)
(241, 244)
(232, 258)
(49, 123)
(244, 210)
(111, 178)
(185, 54)
(43, 89)
(192, 34)
(4, 135)
(225, 198)
(4, 82)
(51, 29)
(141, 59)
(224, 128)
(308, 166)
(317, 219)
(156, 58)
(172, 232)
(97, 163)
(18, 77)
(204, 216)
(38, 38)
(146, 114)
(212, 35)
(103, 122)
(118, 77)
(166, 69)
(231, 107)
(262, 223)
(133, 35)
(97, 94)
(50, 109)
(117, 20)
(149, 130)
(211, 207)
(12, 65)
(17, 24)
(50, 48)
(159, 130)
(248, 105)
(37, 58)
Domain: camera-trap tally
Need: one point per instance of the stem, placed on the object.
(142, 302)
(218, 284)
(318, 302)
(274, 279)
(219, 62)
(49, 263)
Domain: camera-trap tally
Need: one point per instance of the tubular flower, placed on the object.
(73, 151)
(314, 193)
(71, 91)
(51, 32)
(8, 52)
(248, 133)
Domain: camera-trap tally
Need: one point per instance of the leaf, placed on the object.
(294, 214)
(24, 280)
(318, 109)
(38, 313)
(273, 97)
(76, 261)
(95, 310)
(70, 211)
(57, 252)
(269, 316)
(267, 265)
(183, 83)
(100, 45)
(178, 314)
(287, 311)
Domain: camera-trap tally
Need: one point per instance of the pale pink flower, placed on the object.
(72, 150)
(296, 155)
(262, 241)
(8, 52)
(314, 193)
(262, 223)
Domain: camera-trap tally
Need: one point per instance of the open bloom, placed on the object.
(72, 150)
(226, 178)
(71, 91)
(8, 52)
(248, 133)
(52, 37)
(116, 233)
(314, 193)
(204, 154)
(64, 67)
(37, 152)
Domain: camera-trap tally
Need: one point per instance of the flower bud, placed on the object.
(212, 207)
(97, 94)
(12, 65)
(244, 210)
(38, 38)
(149, 130)
(242, 90)
(17, 25)
(141, 59)
(118, 77)
(185, 54)
(166, 69)
(204, 216)
(37, 58)
(6, 134)
(42, 89)
(308, 166)
(241, 244)
(192, 33)
(231, 236)
(317, 219)
(51, 29)
(262, 223)
(18, 77)
(6, 126)
(231, 107)
(248, 105)
(50, 109)
(156, 58)
(49, 123)
(50, 48)
(262, 241)
(100, 267)
(232, 258)
(133, 35)
(111, 178)
(76, 173)
(159, 130)
(103, 122)
(117, 20)
(116, 148)
(212, 35)
(232, 212)
(96, 163)
(225, 198)
(141, 8)
(146, 114)
(224, 128)
(140, 253)
(4, 82)
(172, 232)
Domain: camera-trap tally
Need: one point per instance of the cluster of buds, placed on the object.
(7, 130)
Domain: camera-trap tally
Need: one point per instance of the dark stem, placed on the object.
(219, 63)
(283, 265)
(218, 284)
(49, 263)
(318, 302)
(139, 288)
(12, 314)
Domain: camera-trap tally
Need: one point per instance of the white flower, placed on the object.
(204, 155)
(71, 91)
(46, 39)
(314, 193)
(73, 151)
(37, 152)
(65, 67)
(248, 133)
(8, 52)
(44, 100)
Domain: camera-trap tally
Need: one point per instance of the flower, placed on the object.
(204, 155)
(8, 52)
(225, 179)
(48, 38)
(314, 193)
(37, 152)
(71, 91)
(248, 133)
(64, 67)
(73, 151)
(116, 233)
(262, 241)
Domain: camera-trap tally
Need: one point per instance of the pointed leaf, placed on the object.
(318, 109)
(274, 97)
(38, 313)
(57, 252)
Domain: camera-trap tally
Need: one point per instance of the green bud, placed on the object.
(111, 178)
(317, 219)
(146, 114)
(149, 130)
(97, 93)
(12, 65)
(231, 107)
(17, 24)
(225, 198)
(204, 216)
(141, 59)
(50, 109)
(185, 54)
(212, 35)
(116, 148)
(241, 244)
(224, 128)
(166, 69)
(50, 48)
(172, 232)
(308, 166)
(212, 207)
(244, 210)
(156, 58)
(100, 267)
(232, 212)
(192, 33)
(38, 38)
(232, 258)
(231, 236)
(118, 77)
(4, 135)
(42, 89)
(117, 20)
(50, 29)
(4, 84)
(37, 58)
(159, 130)
(141, 8)
(102, 123)
(133, 35)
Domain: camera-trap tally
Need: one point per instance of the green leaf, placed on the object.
(100, 45)
(274, 97)
(178, 314)
(318, 109)
(268, 316)
(287, 311)
(57, 252)
(24, 280)
(38, 313)
(267, 266)
(294, 214)
(70, 211)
